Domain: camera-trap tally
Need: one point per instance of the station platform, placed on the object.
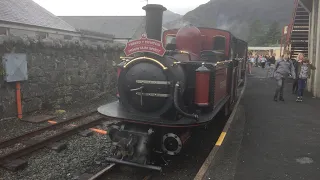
(272, 140)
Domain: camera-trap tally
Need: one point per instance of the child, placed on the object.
(304, 71)
(300, 58)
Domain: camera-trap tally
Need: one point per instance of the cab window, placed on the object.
(170, 39)
(219, 43)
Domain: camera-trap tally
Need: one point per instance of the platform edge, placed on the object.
(206, 164)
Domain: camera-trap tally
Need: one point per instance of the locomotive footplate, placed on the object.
(116, 111)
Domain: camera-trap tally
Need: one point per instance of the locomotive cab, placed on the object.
(212, 56)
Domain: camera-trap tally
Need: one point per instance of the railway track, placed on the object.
(102, 172)
(105, 173)
(42, 137)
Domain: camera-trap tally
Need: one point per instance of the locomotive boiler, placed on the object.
(169, 83)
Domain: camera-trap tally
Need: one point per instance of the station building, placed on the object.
(313, 7)
(265, 51)
(302, 35)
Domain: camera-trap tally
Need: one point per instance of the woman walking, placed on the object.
(295, 62)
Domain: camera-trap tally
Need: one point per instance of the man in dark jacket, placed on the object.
(284, 67)
(295, 81)
(272, 59)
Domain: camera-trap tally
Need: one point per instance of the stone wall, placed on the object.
(61, 73)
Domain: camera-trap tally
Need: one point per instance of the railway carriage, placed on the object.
(169, 83)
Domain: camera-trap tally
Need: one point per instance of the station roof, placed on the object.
(27, 12)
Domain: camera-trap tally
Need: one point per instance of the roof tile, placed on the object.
(30, 13)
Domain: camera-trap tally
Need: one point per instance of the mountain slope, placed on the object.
(170, 16)
(237, 15)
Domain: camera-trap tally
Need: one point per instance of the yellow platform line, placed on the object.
(221, 138)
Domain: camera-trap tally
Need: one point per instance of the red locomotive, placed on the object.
(164, 92)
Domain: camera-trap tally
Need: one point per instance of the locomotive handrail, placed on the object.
(126, 57)
(180, 52)
(148, 58)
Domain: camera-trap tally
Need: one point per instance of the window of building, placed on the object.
(68, 37)
(41, 35)
(22, 33)
(219, 43)
(3, 31)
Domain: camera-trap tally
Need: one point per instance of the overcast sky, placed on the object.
(114, 7)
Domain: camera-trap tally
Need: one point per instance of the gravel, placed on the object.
(83, 155)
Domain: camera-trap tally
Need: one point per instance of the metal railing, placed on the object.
(285, 38)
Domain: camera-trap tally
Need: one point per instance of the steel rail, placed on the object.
(17, 139)
(102, 172)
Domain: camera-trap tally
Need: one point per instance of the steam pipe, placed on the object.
(176, 104)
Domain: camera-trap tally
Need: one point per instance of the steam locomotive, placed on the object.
(170, 82)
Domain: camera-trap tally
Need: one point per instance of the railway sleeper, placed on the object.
(16, 165)
(86, 133)
(57, 146)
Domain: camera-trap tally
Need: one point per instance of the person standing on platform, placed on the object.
(273, 59)
(283, 68)
(250, 64)
(295, 62)
(263, 61)
(268, 60)
(304, 68)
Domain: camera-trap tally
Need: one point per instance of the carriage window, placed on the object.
(170, 39)
(219, 43)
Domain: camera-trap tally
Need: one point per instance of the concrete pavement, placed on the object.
(270, 140)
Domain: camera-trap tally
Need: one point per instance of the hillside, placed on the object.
(170, 16)
(237, 15)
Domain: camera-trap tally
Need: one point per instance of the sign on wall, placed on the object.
(15, 66)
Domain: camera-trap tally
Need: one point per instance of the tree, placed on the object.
(273, 34)
(256, 32)
(264, 35)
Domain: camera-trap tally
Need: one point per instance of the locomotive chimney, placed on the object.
(154, 13)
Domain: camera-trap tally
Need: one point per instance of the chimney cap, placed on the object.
(154, 6)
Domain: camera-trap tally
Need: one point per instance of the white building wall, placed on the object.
(316, 38)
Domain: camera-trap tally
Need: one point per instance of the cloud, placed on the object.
(115, 7)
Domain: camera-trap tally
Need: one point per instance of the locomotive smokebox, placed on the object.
(154, 13)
